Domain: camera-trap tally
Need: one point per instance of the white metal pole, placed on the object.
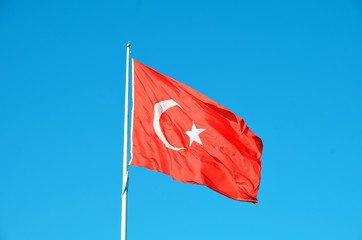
(125, 154)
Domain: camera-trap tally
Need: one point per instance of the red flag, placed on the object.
(180, 132)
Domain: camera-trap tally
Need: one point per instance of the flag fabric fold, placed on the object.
(182, 133)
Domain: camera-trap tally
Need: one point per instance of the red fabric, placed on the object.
(225, 158)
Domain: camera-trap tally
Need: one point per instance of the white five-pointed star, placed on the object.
(194, 134)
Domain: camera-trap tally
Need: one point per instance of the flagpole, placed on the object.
(125, 154)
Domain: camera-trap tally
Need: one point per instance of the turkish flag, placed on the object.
(180, 132)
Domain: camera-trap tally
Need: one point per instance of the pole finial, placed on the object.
(128, 44)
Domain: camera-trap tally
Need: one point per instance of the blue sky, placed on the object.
(291, 69)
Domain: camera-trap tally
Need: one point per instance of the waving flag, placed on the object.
(180, 132)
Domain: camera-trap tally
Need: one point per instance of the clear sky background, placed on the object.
(291, 69)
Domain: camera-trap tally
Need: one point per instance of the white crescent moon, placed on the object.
(160, 108)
